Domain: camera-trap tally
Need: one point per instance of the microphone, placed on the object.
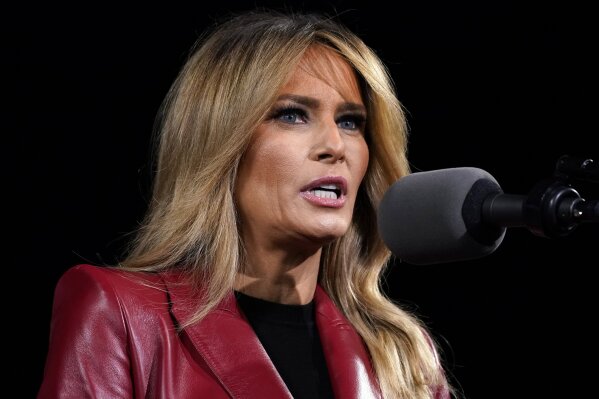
(457, 214)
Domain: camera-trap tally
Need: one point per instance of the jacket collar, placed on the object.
(350, 370)
(229, 346)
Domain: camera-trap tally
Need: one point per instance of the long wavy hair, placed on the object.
(219, 98)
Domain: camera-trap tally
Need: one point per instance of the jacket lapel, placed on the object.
(229, 346)
(348, 362)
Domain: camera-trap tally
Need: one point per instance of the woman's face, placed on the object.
(299, 178)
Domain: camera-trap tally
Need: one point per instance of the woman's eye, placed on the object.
(351, 122)
(291, 115)
(348, 124)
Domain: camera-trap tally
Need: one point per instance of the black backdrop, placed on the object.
(505, 87)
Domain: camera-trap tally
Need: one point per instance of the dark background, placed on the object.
(506, 87)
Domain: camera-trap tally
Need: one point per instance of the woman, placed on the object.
(256, 271)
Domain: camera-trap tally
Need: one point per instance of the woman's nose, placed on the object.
(330, 146)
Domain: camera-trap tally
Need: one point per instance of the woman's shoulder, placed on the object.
(103, 284)
(109, 277)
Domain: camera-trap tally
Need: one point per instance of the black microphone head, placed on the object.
(436, 216)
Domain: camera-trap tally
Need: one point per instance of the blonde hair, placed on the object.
(224, 90)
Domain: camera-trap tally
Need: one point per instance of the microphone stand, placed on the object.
(553, 207)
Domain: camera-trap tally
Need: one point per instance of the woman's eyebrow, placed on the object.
(315, 103)
(307, 101)
(352, 107)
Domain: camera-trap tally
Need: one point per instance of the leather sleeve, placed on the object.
(87, 356)
(442, 392)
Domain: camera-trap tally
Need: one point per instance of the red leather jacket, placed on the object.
(113, 335)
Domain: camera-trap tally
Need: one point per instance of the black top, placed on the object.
(289, 336)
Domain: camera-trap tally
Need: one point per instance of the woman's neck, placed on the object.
(278, 275)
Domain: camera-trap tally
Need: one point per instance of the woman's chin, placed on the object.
(325, 234)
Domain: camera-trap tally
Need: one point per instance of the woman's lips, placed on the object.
(328, 191)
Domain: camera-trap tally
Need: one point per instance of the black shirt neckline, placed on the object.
(276, 313)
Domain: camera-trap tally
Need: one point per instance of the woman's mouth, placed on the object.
(329, 191)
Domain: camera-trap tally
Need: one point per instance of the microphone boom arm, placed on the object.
(553, 208)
